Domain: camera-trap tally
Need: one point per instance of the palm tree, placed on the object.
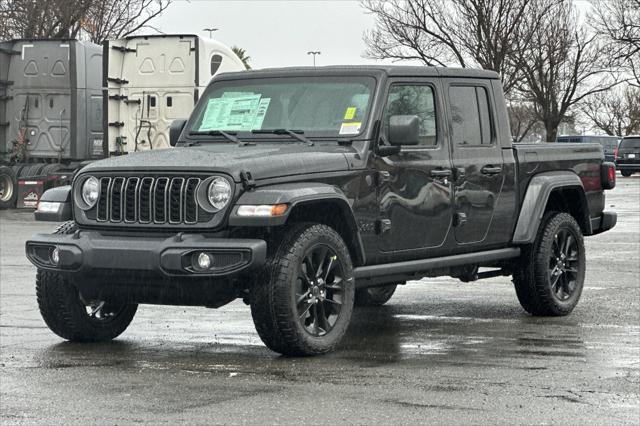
(242, 54)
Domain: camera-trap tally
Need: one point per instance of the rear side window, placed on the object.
(630, 143)
(471, 116)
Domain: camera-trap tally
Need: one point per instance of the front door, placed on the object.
(477, 158)
(414, 188)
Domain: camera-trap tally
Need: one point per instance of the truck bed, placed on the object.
(585, 159)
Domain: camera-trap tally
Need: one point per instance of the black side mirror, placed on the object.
(404, 130)
(175, 130)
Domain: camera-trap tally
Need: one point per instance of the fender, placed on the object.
(55, 205)
(297, 194)
(535, 201)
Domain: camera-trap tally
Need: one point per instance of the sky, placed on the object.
(280, 33)
(277, 33)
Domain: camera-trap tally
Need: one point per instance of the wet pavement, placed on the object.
(441, 351)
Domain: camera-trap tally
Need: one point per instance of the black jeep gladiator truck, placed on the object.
(306, 191)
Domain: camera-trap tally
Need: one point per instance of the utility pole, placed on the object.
(211, 31)
(314, 53)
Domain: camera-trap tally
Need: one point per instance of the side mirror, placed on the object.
(175, 130)
(404, 130)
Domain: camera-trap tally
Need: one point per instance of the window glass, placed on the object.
(216, 61)
(413, 100)
(485, 118)
(319, 106)
(471, 119)
(630, 143)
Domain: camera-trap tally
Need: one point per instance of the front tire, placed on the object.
(550, 277)
(72, 318)
(304, 304)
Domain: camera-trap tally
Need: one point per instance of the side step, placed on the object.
(424, 265)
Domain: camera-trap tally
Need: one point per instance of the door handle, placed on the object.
(440, 173)
(491, 170)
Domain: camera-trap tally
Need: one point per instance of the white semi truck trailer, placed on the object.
(152, 80)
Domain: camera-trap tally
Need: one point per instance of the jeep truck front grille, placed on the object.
(147, 200)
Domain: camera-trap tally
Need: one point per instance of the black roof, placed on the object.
(389, 70)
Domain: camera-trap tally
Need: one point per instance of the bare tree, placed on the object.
(96, 20)
(522, 119)
(619, 22)
(454, 32)
(42, 19)
(561, 66)
(119, 18)
(616, 112)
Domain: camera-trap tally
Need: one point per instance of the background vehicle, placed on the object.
(51, 102)
(151, 81)
(609, 143)
(304, 191)
(628, 155)
(50, 114)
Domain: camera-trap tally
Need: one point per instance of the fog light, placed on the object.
(55, 256)
(204, 260)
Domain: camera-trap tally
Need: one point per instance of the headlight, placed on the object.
(219, 193)
(90, 191)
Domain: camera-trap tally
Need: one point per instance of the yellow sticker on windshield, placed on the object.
(350, 113)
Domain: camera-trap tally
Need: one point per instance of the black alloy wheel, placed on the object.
(319, 292)
(564, 264)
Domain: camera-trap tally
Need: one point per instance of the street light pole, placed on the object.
(314, 53)
(211, 31)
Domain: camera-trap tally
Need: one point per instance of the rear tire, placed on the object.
(375, 296)
(304, 303)
(550, 277)
(72, 318)
(626, 173)
(8, 188)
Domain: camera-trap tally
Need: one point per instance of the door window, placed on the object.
(470, 116)
(413, 100)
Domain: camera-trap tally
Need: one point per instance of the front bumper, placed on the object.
(90, 251)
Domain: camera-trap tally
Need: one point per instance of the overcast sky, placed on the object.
(277, 33)
(280, 33)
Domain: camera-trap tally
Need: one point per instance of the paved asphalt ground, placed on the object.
(441, 352)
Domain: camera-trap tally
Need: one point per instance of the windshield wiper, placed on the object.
(297, 134)
(230, 136)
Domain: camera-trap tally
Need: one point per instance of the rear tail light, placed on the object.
(608, 175)
(615, 154)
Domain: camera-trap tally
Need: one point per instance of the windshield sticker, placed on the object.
(350, 113)
(242, 112)
(350, 128)
(261, 111)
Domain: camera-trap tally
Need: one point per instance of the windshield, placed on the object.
(317, 106)
(630, 143)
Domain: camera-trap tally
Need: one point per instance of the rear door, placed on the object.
(414, 192)
(476, 156)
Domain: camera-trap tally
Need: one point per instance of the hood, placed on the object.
(263, 160)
